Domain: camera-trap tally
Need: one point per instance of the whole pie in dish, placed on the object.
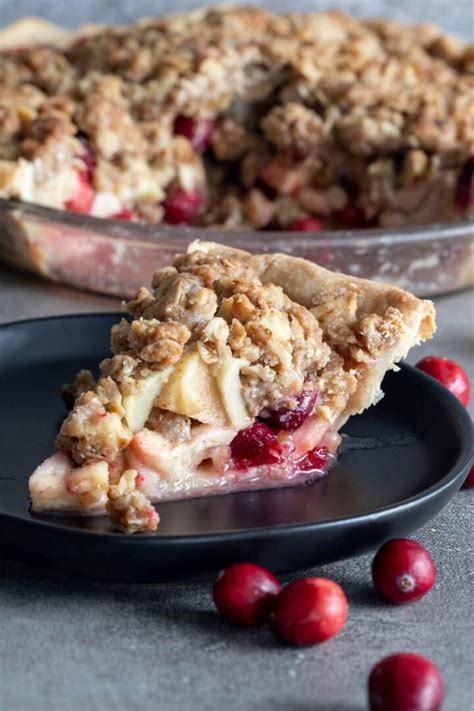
(240, 118)
(235, 372)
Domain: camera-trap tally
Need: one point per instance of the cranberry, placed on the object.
(309, 611)
(289, 419)
(182, 207)
(469, 480)
(255, 445)
(245, 592)
(449, 373)
(82, 202)
(314, 460)
(351, 216)
(126, 215)
(350, 188)
(299, 153)
(87, 158)
(197, 131)
(405, 682)
(307, 224)
(403, 570)
(463, 194)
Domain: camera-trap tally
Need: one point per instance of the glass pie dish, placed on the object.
(116, 257)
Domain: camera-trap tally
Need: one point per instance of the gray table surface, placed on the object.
(162, 647)
(75, 645)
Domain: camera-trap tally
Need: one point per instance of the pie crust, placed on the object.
(223, 340)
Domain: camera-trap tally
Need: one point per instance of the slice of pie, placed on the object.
(234, 373)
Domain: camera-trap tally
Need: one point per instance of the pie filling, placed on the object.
(223, 382)
(244, 118)
(215, 461)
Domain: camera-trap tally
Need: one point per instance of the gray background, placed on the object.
(70, 645)
(454, 15)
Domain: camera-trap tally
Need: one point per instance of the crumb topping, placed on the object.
(130, 510)
(150, 341)
(93, 430)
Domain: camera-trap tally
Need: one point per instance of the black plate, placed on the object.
(400, 463)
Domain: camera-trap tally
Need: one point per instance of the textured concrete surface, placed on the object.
(456, 17)
(69, 644)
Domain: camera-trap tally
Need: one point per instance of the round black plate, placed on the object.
(399, 464)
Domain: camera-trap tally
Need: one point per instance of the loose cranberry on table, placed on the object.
(309, 611)
(181, 207)
(405, 682)
(403, 571)
(307, 224)
(469, 480)
(449, 373)
(254, 446)
(197, 131)
(288, 419)
(245, 592)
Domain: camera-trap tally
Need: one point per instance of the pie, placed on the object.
(234, 372)
(240, 118)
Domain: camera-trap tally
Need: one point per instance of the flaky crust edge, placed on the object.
(310, 284)
(33, 31)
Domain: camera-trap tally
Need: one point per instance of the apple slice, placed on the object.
(230, 388)
(139, 405)
(192, 391)
(58, 484)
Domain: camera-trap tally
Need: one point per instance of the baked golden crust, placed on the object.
(330, 113)
(371, 326)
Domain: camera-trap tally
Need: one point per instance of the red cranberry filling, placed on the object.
(463, 195)
(307, 224)
(254, 446)
(314, 460)
(352, 217)
(82, 201)
(288, 419)
(181, 207)
(197, 131)
(88, 158)
(125, 215)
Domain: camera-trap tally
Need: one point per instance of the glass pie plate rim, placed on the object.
(396, 247)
